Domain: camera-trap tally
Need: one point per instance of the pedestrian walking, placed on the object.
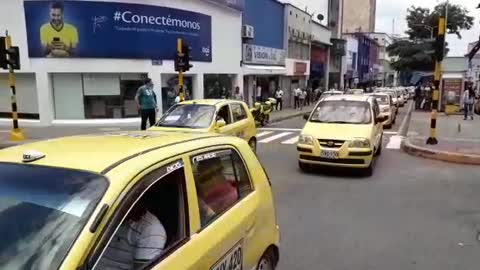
(418, 97)
(279, 98)
(237, 95)
(302, 97)
(296, 97)
(147, 103)
(468, 99)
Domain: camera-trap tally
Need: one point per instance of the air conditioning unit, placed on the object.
(248, 31)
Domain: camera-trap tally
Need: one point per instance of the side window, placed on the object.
(376, 109)
(238, 112)
(221, 180)
(154, 221)
(224, 113)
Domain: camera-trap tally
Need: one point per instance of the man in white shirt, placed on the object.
(296, 97)
(139, 240)
(259, 94)
(279, 98)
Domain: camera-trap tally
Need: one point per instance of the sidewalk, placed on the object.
(35, 132)
(458, 140)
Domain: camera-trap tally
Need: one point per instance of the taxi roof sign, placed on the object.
(32, 155)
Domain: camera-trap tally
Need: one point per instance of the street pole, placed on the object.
(180, 73)
(16, 133)
(440, 50)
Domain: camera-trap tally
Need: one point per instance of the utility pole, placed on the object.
(182, 64)
(10, 59)
(439, 53)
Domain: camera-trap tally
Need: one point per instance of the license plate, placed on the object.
(233, 260)
(329, 154)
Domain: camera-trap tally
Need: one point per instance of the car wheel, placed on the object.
(394, 119)
(267, 262)
(253, 144)
(379, 150)
(369, 171)
(388, 126)
(304, 166)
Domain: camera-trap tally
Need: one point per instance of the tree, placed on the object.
(416, 53)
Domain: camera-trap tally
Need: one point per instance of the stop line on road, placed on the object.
(288, 136)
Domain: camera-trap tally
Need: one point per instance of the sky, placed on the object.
(390, 10)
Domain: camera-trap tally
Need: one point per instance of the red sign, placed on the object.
(300, 68)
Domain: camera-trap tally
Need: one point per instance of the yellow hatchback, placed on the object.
(136, 200)
(228, 117)
(343, 131)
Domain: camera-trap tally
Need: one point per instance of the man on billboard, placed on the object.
(59, 39)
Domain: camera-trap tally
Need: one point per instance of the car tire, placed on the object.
(304, 167)
(267, 261)
(367, 172)
(253, 144)
(379, 150)
(394, 119)
(388, 126)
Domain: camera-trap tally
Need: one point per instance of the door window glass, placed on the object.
(155, 224)
(221, 180)
(238, 112)
(224, 113)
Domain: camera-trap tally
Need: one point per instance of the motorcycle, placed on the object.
(261, 111)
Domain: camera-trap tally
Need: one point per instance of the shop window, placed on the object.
(27, 97)
(170, 89)
(218, 86)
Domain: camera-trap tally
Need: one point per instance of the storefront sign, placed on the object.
(253, 54)
(235, 4)
(300, 68)
(114, 30)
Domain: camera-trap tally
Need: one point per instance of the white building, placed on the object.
(85, 89)
(386, 75)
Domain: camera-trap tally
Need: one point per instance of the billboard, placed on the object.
(87, 29)
(235, 4)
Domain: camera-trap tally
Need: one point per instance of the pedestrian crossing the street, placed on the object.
(286, 136)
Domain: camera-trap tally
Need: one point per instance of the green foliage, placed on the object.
(416, 53)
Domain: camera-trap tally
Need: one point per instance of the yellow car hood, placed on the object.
(337, 131)
(173, 129)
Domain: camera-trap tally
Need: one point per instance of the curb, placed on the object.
(415, 150)
(403, 129)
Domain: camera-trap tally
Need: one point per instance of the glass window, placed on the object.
(221, 179)
(382, 99)
(188, 116)
(238, 112)
(224, 113)
(155, 225)
(218, 86)
(42, 210)
(26, 94)
(342, 112)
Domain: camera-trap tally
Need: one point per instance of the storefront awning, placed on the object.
(264, 70)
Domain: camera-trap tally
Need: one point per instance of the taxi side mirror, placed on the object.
(220, 123)
(306, 116)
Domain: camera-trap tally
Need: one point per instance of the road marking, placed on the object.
(390, 132)
(110, 129)
(293, 140)
(281, 129)
(261, 134)
(273, 138)
(4, 131)
(394, 142)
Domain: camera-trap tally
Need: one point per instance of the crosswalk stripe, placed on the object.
(273, 138)
(265, 133)
(394, 142)
(291, 141)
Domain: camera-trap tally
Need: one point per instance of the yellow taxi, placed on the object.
(343, 131)
(387, 108)
(228, 117)
(149, 200)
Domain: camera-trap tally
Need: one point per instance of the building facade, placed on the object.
(367, 63)
(352, 78)
(112, 47)
(386, 75)
(320, 56)
(359, 16)
(337, 64)
(264, 53)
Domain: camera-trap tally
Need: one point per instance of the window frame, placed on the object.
(126, 204)
(223, 148)
(229, 115)
(242, 108)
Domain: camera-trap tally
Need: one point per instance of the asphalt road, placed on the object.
(411, 214)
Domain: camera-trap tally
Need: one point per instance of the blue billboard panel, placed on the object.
(87, 29)
(235, 4)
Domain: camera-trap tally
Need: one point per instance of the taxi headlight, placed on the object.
(359, 143)
(305, 139)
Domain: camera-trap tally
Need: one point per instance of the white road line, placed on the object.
(293, 140)
(4, 131)
(390, 132)
(281, 129)
(394, 142)
(274, 137)
(261, 134)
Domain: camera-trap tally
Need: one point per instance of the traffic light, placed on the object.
(179, 63)
(186, 57)
(9, 57)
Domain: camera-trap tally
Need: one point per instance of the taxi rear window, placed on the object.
(342, 112)
(42, 210)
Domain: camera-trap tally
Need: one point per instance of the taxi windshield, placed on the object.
(188, 116)
(42, 211)
(342, 112)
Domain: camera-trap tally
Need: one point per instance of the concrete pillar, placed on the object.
(198, 86)
(45, 98)
(238, 81)
(157, 82)
(327, 70)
